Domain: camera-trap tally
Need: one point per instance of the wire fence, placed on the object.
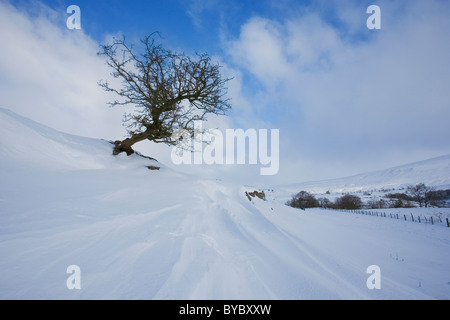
(401, 216)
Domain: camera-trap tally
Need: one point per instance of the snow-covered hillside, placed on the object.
(137, 233)
(433, 172)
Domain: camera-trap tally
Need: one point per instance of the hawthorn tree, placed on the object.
(169, 90)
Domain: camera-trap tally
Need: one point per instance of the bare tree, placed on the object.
(325, 202)
(169, 90)
(420, 193)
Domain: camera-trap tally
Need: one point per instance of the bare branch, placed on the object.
(169, 90)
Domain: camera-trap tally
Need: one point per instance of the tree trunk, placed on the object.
(126, 145)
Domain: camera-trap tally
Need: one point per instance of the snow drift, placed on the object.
(142, 234)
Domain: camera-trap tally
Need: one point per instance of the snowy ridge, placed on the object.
(25, 143)
(142, 234)
(433, 172)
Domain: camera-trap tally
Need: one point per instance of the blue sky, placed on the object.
(190, 25)
(346, 99)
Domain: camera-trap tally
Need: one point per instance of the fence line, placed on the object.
(396, 216)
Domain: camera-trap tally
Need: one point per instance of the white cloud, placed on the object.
(354, 105)
(260, 50)
(49, 73)
(310, 48)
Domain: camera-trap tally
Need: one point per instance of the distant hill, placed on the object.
(433, 172)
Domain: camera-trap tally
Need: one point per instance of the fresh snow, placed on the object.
(142, 234)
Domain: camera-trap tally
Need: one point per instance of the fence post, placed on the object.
(412, 217)
(419, 219)
(432, 220)
(448, 223)
(405, 216)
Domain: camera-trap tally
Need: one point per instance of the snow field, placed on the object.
(141, 234)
